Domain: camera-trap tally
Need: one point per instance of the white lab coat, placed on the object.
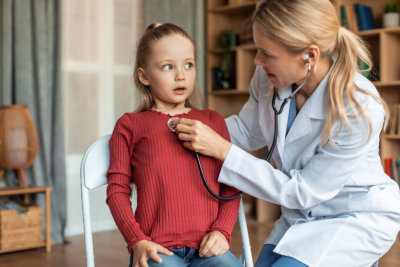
(339, 208)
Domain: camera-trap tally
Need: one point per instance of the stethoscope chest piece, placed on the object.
(171, 123)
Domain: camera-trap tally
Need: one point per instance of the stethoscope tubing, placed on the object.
(277, 112)
(273, 145)
(206, 184)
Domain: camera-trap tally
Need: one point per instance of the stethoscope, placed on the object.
(172, 127)
(284, 102)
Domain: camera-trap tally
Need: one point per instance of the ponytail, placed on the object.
(351, 52)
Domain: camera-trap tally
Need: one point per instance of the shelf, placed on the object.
(379, 30)
(391, 136)
(229, 92)
(386, 84)
(228, 9)
(37, 245)
(12, 191)
(235, 48)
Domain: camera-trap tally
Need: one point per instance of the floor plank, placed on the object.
(110, 250)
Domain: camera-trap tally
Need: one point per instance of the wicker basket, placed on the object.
(21, 231)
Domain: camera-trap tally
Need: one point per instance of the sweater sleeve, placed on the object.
(228, 210)
(119, 177)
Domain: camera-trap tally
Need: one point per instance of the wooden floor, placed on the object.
(110, 250)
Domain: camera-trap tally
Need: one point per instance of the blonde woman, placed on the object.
(338, 206)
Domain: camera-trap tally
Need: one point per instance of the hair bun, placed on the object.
(153, 26)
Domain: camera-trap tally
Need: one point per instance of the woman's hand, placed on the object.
(213, 244)
(200, 138)
(144, 249)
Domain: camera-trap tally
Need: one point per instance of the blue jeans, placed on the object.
(268, 258)
(186, 256)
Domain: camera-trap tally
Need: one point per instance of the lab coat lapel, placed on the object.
(301, 125)
(316, 107)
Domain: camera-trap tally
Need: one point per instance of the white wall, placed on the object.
(99, 37)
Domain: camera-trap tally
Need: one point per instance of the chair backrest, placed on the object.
(94, 168)
(95, 163)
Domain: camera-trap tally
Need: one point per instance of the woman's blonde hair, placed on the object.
(297, 24)
(155, 32)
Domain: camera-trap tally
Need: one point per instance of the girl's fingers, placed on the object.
(143, 262)
(153, 255)
(165, 251)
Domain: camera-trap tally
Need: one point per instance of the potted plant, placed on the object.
(391, 15)
(223, 75)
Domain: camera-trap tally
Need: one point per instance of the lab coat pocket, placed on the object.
(335, 206)
(378, 198)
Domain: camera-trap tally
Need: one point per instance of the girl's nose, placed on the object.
(180, 75)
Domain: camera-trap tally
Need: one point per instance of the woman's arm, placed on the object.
(320, 179)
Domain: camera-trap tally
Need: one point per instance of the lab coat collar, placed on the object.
(318, 103)
(316, 107)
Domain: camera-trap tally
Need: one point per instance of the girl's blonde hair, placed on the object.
(155, 32)
(297, 24)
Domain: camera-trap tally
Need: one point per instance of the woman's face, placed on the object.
(282, 67)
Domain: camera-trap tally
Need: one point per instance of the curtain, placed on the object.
(30, 63)
(187, 14)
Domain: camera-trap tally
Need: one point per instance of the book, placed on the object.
(351, 18)
(393, 121)
(395, 170)
(388, 166)
(397, 110)
(398, 169)
(343, 16)
(364, 17)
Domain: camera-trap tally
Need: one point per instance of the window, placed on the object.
(98, 41)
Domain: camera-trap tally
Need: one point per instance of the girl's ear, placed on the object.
(142, 76)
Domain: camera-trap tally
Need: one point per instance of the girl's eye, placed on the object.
(189, 65)
(167, 67)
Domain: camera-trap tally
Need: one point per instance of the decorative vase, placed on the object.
(18, 140)
(391, 19)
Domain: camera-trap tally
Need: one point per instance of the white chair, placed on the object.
(94, 167)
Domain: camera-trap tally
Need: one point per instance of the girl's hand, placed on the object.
(144, 249)
(200, 138)
(213, 244)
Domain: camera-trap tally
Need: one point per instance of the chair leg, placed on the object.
(248, 259)
(87, 226)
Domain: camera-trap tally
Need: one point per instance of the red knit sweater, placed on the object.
(174, 208)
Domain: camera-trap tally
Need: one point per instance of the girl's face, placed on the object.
(170, 71)
(282, 67)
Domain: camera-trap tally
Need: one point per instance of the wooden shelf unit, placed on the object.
(12, 191)
(235, 16)
(384, 45)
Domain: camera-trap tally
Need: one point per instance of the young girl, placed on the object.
(177, 222)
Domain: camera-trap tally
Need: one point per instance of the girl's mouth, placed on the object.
(179, 90)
